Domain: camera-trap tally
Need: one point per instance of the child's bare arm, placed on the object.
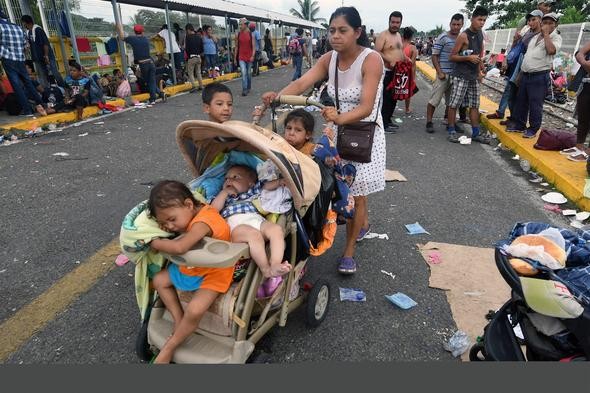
(184, 243)
(273, 184)
(219, 201)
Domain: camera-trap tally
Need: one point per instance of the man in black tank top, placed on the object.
(466, 77)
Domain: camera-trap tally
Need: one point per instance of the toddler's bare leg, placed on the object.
(274, 233)
(167, 292)
(201, 301)
(255, 240)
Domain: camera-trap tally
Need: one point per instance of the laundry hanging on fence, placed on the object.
(83, 44)
(100, 48)
(103, 60)
(112, 46)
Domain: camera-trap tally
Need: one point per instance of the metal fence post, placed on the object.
(72, 32)
(122, 48)
(580, 37)
(170, 40)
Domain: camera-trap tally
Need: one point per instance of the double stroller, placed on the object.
(239, 318)
(547, 317)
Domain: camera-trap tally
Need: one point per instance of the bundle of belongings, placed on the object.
(554, 267)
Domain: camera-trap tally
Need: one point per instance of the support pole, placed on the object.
(508, 39)
(494, 44)
(170, 40)
(11, 12)
(582, 27)
(187, 20)
(200, 22)
(228, 40)
(62, 46)
(43, 17)
(72, 32)
(122, 48)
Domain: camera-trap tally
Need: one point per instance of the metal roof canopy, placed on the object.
(223, 8)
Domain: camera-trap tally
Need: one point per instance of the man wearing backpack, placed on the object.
(511, 66)
(297, 48)
(244, 53)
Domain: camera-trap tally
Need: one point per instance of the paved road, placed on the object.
(57, 213)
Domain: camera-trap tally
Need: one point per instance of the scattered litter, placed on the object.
(107, 133)
(391, 175)
(422, 154)
(98, 123)
(398, 120)
(121, 260)
(352, 295)
(139, 128)
(372, 235)
(3, 271)
(516, 157)
(568, 212)
(569, 125)
(536, 179)
(388, 274)
(100, 195)
(525, 165)
(545, 184)
(576, 224)
(61, 154)
(463, 140)
(483, 111)
(552, 208)
(582, 216)
(554, 197)
(401, 300)
(434, 257)
(415, 229)
(77, 124)
(84, 134)
(458, 344)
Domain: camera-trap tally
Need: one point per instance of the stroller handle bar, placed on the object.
(289, 100)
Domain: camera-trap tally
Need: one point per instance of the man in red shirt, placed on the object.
(244, 54)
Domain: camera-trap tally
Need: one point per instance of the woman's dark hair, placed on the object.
(302, 115)
(27, 19)
(408, 33)
(267, 32)
(354, 20)
(169, 193)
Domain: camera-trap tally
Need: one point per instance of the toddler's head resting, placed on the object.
(173, 205)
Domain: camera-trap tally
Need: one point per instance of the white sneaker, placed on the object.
(570, 151)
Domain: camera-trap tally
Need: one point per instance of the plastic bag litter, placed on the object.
(352, 295)
(458, 344)
(401, 300)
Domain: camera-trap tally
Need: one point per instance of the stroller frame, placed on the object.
(251, 318)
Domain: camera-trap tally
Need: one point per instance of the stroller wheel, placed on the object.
(318, 300)
(142, 347)
(476, 350)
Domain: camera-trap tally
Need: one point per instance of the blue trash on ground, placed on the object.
(401, 300)
(352, 295)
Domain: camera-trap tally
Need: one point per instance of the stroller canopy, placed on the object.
(201, 141)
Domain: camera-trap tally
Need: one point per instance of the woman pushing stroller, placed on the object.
(360, 72)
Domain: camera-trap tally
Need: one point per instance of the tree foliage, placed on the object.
(308, 10)
(508, 12)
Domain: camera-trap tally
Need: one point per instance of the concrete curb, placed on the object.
(90, 111)
(567, 176)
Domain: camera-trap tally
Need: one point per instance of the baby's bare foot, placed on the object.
(280, 269)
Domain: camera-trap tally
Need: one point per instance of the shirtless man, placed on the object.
(389, 45)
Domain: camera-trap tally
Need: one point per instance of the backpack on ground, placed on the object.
(295, 46)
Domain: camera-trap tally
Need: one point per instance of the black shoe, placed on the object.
(163, 96)
(244, 93)
(193, 90)
(391, 128)
(429, 127)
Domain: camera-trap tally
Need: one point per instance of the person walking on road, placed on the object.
(12, 54)
(258, 50)
(269, 49)
(297, 49)
(244, 53)
(41, 53)
(441, 51)
(389, 45)
(583, 101)
(209, 48)
(141, 53)
(360, 75)
(194, 51)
